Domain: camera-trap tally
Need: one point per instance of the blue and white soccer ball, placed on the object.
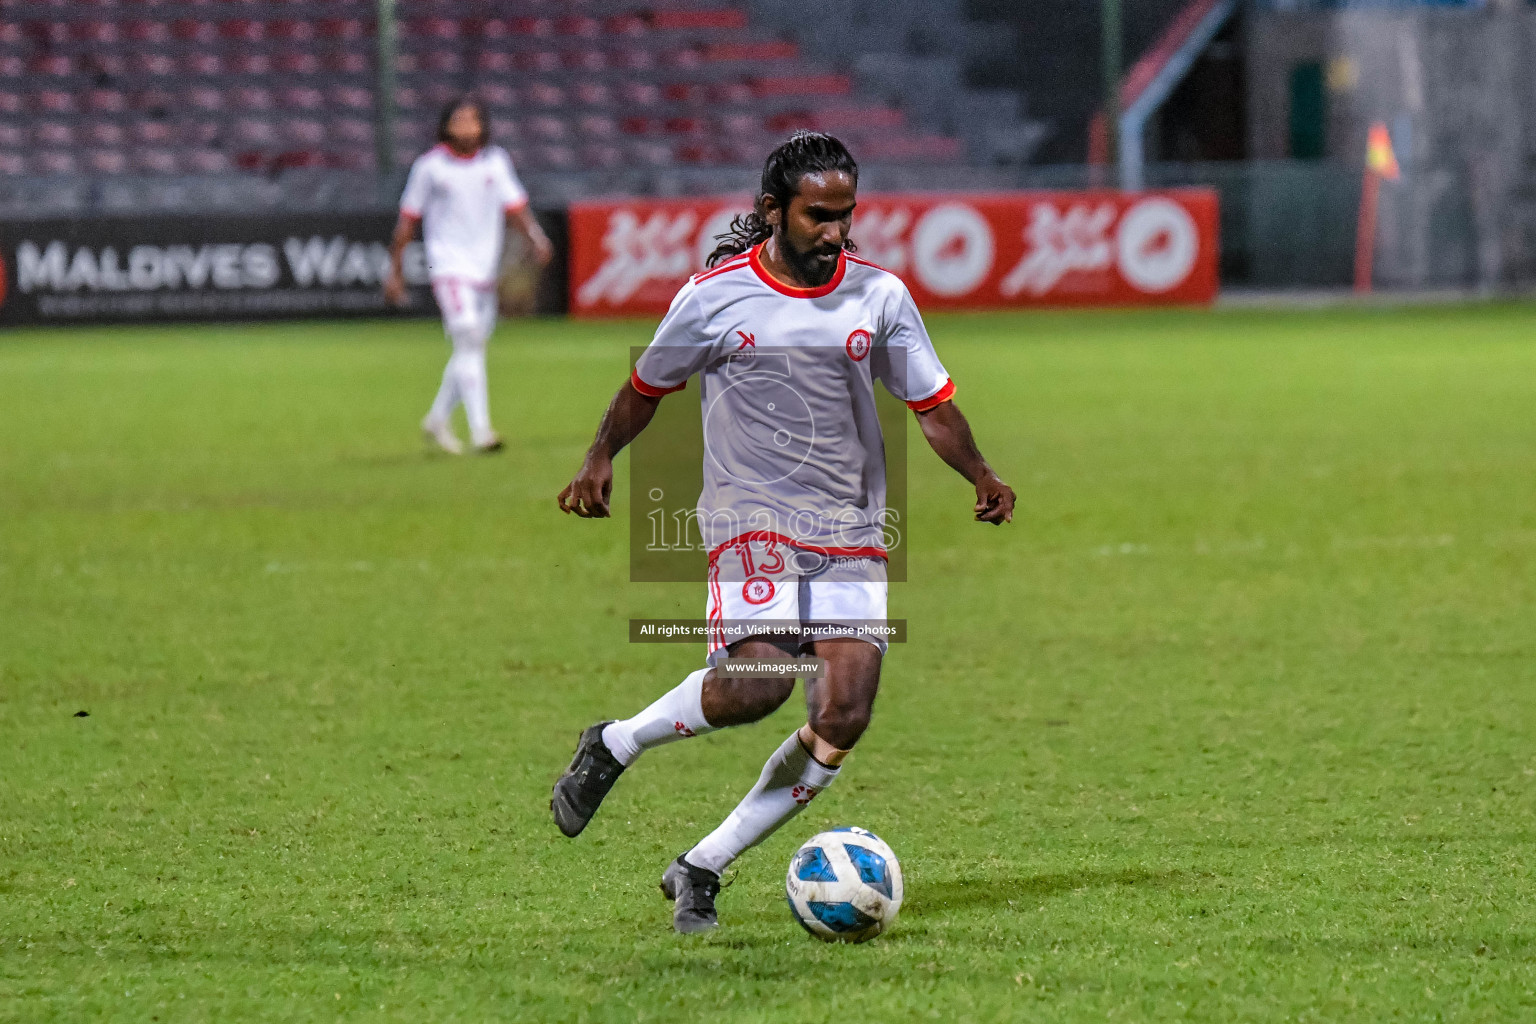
(844, 885)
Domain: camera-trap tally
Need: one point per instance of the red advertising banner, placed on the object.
(955, 251)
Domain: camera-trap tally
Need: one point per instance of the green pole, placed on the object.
(1112, 49)
(384, 129)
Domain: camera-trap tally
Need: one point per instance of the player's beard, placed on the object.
(813, 271)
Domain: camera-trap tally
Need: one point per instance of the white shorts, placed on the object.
(786, 593)
(468, 308)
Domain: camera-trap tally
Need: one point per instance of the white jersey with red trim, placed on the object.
(792, 443)
(462, 203)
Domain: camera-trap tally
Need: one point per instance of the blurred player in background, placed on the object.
(463, 192)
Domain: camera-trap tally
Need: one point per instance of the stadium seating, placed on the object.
(191, 86)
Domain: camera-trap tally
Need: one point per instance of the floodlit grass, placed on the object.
(1233, 723)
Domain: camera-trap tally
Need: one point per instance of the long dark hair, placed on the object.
(801, 154)
(453, 107)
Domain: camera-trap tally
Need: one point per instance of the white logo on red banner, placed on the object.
(952, 251)
(1158, 244)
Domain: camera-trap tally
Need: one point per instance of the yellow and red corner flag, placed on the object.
(1378, 152)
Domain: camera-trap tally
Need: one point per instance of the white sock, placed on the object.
(789, 781)
(469, 370)
(678, 714)
(447, 396)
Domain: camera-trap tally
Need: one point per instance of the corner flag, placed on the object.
(1378, 152)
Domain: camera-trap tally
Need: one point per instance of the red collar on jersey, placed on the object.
(462, 159)
(790, 290)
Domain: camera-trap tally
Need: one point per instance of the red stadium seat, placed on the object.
(53, 163)
(604, 156)
(53, 133)
(640, 94)
(12, 67)
(155, 161)
(578, 25)
(151, 100)
(683, 125)
(724, 18)
(539, 28)
(407, 98)
(497, 94)
(246, 30)
(544, 94)
(201, 133)
(302, 132)
(547, 129)
(345, 63)
(51, 66)
(625, 25)
(557, 158)
(405, 63)
(104, 133)
(206, 161)
(803, 85)
(492, 62)
(193, 30)
(632, 58)
(204, 97)
(352, 129)
(598, 126)
(106, 161)
(11, 103)
(731, 92)
(249, 131)
(442, 62)
(10, 33)
(203, 63)
(651, 154)
(300, 97)
(432, 28)
(12, 163)
(586, 61)
(252, 63)
(592, 94)
(104, 62)
(506, 131)
(153, 132)
(54, 101)
(686, 92)
(295, 62)
(351, 97)
(156, 64)
(106, 100)
(541, 62)
(686, 58)
(11, 136)
(494, 28)
(148, 31)
(341, 28)
(93, 31)
(251, 97)
(295, 30)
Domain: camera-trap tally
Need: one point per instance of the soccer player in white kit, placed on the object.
(462, 192)
(787, 332)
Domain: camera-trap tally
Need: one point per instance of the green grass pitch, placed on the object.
(1234, 723)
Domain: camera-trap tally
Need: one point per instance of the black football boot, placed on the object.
(580, 791)
(692, 891)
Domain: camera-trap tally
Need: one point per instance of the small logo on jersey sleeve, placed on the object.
(858, 345)
(748, 341)
(757, 590)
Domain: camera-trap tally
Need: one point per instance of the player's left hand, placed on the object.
(994, 501)
(543, 249)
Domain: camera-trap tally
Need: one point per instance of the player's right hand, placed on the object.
(394, 289)
(588, 494)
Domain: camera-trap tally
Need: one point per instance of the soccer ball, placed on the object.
(844, 885)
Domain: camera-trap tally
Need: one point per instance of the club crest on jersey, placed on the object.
(803, 795)
(748, 346)
(757, 590)
(858, 345)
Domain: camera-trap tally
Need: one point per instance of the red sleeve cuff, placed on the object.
(517, 207)
(938, 398)
(410, 214)
(650, 390)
